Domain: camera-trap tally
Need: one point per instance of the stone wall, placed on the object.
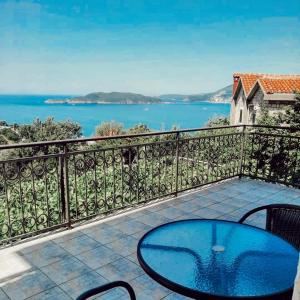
(236, 106)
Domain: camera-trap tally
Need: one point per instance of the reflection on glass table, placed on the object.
(213, 259)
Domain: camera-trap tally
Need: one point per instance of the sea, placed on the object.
(24, 109)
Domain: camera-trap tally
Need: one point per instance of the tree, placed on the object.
(3, 123)
(140, 128)
(38, 131)
(111, 128)
(49, 130)
(292, 114)
(276, 157)
(218, 121)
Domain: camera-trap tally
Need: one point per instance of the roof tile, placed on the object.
(271, 83)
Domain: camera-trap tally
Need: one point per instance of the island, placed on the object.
(220, 96)
(107, 98)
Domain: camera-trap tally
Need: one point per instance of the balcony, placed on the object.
(112, 190)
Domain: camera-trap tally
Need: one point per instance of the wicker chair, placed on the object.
(107, 287)
(282, 220)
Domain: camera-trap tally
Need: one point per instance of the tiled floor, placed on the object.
(63, 265)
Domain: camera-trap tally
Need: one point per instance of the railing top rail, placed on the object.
(275, 135)
(274, 127)
(116, 137)
(156, 133)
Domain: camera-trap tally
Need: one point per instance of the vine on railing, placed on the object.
(52, 184)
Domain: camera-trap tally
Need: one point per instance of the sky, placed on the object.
(146, 46)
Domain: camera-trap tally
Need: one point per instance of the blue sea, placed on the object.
(24, 109)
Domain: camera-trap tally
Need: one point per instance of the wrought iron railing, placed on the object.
(53, 184)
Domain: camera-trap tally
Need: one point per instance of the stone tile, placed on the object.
(175, 296)
(238, 203)
(186, 207)
(66, 269)
(223, 208)
(105, 234)
(231, 191)
(131, 227)
(208, 213)
(121, 269)
(205, 201)
(79, 244)
(138, 214)
(133, 258)
(35, 247)
(219, 196)
(12, 264)
(170, 212)
(186, 217)
(46, 255)
(52, 294)
(3, 296)
(97, 226)
(118, 219)
(117, 259)
(124, 246)
(67, 236)
(114, 294)
(146, 288)
(148, 295)
(158, 207)
(153, 219)
(229, 217)
(99, 257)
(78, 285)
(26, 285)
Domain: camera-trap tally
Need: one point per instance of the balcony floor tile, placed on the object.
(63, 265)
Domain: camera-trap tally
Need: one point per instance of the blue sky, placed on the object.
(146, 46)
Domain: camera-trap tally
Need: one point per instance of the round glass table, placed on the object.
(214, 259)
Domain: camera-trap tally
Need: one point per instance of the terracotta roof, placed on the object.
(284, 86)
(274, 83)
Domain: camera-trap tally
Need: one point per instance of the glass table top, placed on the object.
(219, 258)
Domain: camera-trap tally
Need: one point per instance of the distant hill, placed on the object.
(222, 95)
(109, 98)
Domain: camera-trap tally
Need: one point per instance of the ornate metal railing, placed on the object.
(54, 184)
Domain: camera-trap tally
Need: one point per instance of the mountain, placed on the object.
(109, 98)
(222, 95)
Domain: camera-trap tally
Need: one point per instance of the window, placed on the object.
(253, 118)
(241, 116)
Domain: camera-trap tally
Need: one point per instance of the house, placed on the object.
(252, 91)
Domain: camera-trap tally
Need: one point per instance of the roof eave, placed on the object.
(254, 88)
(280, 97)
(237, 90)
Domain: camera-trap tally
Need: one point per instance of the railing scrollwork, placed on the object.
(49, 185)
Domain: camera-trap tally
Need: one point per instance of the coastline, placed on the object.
(71, 102)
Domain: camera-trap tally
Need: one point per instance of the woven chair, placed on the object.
(282, 220)
(107, 287)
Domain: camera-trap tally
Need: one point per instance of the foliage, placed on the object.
(275, 157)
(292, 114)
(3, 123)
(140, 128)
(218, 121)
(49, 130)
(102, 180)
(116, 173)
(10, 135)
(111, 128)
